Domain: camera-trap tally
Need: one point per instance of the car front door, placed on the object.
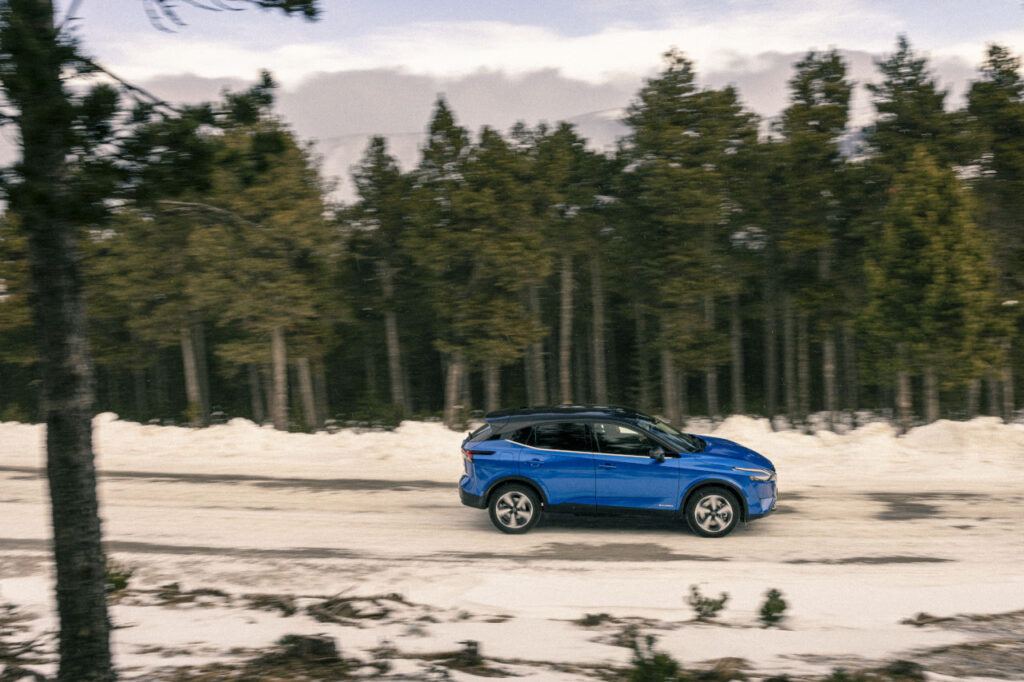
(560, 457)
(627, 475)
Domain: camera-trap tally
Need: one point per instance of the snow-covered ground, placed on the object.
(871, 530)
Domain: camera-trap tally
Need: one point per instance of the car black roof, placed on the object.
(564, 411)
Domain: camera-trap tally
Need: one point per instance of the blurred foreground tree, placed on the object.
(59, 184)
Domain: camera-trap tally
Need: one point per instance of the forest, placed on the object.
(714, 264)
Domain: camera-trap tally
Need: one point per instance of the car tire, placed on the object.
(514, 509)
(712, 512)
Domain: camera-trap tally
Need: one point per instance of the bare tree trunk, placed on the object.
(710, 370)
(370, 368)
(279, 402)
(851, 381)
(739, 399)
(33, 85)
(396, 374)
(202, 369)
(771, 362)
(903, 397)
(192, 390)
(669, 387)
(320, 390)
(309, 412)
(789, 356)
(643, 371)
(565, 333)
(536, 377)
(492, 386)
(454, 416)
(1006, 374)
(141, 403)
(828, 375)
(259, 413)
(803, 349)
(973, 398)
(931, 395)
(994, 402)
(600, 367)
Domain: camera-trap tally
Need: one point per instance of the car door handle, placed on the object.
(536, 462)
(606, 466)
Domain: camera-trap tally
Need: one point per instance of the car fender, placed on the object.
(711, 481)
(517, 479)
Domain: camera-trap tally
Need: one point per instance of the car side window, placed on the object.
(618, 439)
(520, 435)
(572, 436)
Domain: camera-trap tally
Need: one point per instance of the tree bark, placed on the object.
(973, 397)
(492, 386)
(454, 412)
(565, 332)
(58, 307)
(598, 359)
(320, 390)
(309, 411)
(202, 370)
(739, 399)
(851, 380)
(1006, 375)
(803, 364)
(642, 359)
(789, 356)
(771, 358)
(931, 395)
(259, 413)
(710, 370)
(536, 377)
(828, 375)
(994, 401)
(192, 390)
(669, 387)
(394, 349)
(903, 397)
(279, 360)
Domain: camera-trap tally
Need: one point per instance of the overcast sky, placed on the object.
(376, 66)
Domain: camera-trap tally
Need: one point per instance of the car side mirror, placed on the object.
(657, 452)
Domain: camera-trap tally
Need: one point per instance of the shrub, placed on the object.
(773, 608)
(117, 576)
(651, 666)
(706, 607)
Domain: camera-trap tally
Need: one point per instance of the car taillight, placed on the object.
(468, 454)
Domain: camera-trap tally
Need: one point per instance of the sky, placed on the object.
(377, 66)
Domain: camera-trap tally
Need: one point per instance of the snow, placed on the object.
(872, 529)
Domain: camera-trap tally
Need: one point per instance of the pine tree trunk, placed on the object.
(828, 375)
(492, 386)
(739, 399)
(320, 390)
(309, 412)
(600, 367)
(789, 357)
(803, 364)
(453, 411)
(669, 387)
(139, 383)
(279, 359)
(994, 402)
(33, 82)
(394, 349)
(851, 380)
(565, 332)
(973, 398)
(1006, 375)
(536, 376)
(931, 395)
(192, 391)
(259, 413)
(771, 362)
(642, 359)
(710, 370)
(202, 370)
(370, 368)
(903, 397)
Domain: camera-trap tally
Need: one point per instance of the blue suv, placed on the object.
(580, 458)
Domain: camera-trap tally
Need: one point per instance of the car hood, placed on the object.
(720, 447)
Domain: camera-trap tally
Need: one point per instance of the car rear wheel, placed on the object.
(712, 512)
(514, 509)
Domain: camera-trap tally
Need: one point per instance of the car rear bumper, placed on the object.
(471, 500)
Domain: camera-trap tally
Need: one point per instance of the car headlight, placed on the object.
(757, 474)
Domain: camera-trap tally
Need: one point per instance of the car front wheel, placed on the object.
(514, 509)
(712, 512)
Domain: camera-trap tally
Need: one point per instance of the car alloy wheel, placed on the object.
(712, 512)
(514, 509)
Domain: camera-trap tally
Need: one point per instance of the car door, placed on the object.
(627, 475)
(560, 457)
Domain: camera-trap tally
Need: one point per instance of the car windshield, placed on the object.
(684, 442)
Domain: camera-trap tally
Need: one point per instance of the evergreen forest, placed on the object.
(714, 264)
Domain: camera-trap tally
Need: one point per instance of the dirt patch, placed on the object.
(873, 560)
(609, 551)
(912, 505)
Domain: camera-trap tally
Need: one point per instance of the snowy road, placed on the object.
(870, 530)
